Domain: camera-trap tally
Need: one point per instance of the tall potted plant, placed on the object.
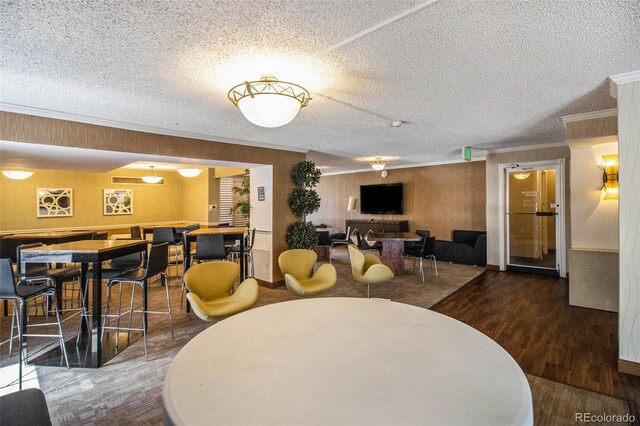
(303, 201)
(242, 206)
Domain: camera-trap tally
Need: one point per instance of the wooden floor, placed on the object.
(529, 316)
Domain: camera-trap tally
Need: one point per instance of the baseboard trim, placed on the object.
(492, 267)
(272, 285)
(629, 367)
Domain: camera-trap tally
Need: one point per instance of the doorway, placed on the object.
(533, 225)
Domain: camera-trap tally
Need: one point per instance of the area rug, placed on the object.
(128, 389)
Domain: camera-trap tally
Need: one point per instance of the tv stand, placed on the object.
(363, 225)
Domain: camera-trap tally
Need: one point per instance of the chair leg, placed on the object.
(144, 323)
(435, 264)
(21, 343)
(106, 312)
(421, 271)
(60, 333)
(368, 291)
(131, 306)
(14, 317)
(169, 306)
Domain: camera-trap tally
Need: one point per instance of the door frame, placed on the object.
(561, 238)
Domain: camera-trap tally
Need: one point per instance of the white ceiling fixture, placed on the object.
(151, 178)
(17, 174)
(269, 102)
(190, 172)
(378, 164)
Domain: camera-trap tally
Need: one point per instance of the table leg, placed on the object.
(242, 260)
(84, 267)
(186, 262)
(392, 251)
(96, 318)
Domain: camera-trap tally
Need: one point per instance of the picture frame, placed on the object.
(54, 202)
(118, 202)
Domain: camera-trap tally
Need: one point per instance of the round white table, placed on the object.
(344, 361)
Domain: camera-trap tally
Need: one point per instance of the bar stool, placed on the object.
(38, 272)
(248, 250)
(166, 235)
(20, 293)
(157, 265)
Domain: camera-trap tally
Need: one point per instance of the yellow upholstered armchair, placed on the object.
(367, 268)
(297, 267)
(210, 285)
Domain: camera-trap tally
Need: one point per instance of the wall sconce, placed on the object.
(352, 205)
(610, 177)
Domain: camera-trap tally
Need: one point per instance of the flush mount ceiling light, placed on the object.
(17, 174)
(521, 175)
(269, 102)
(378, 164)
(153, 178)
(190, 172)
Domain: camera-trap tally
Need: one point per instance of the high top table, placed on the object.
(393, 247)
(235, 232)
(334, 361)
(86, 252)
(148, 229)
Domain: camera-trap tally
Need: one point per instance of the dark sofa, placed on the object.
(469, 247)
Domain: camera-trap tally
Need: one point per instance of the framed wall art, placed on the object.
(54, 202)
(118, 201)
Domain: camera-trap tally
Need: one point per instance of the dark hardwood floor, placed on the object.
(529, 316)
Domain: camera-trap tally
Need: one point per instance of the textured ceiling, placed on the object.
(488, 74)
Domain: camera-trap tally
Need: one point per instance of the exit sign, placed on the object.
(466, 153)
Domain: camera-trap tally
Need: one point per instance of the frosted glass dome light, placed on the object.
(17, 174)
(190, 172)
(269, 102)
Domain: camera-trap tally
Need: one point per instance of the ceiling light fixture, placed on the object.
(190, 172)
(521, 175)
(269, 102)
(153, 178)
(17, 174)
(378, 164)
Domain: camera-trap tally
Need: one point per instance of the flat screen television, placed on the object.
(381, 199)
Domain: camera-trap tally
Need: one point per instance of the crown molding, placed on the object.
(457, 161)
(528, 147)
(406, 166)
(86, 119)
(618, 79)
(589, 115)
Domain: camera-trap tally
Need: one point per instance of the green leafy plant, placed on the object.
(303, 200)
(242, 206)
(302, 235)
(305, 174)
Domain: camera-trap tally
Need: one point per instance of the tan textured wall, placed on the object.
(195, 198)
(151, 203)
(493, 243)
(438, 198)
(31, 129)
